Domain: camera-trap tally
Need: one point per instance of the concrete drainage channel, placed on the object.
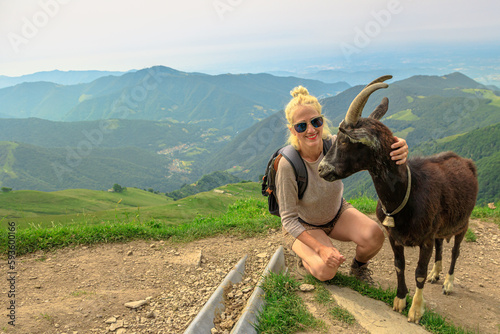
(204, 321)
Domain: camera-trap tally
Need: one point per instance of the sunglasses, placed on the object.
(302, 126)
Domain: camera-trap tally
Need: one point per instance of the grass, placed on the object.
(245, 217)
(323, 297)
(404, 115)
(284, 311)
(485, 213)
(343, 315)
(470, 236)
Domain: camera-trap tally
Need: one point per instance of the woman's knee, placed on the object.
(324, 272)
(373, 238)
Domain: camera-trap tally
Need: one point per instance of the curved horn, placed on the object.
(381, 79)
(356, 108)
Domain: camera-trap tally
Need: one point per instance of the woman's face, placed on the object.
(312, 136)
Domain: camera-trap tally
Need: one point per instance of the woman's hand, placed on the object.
(400, 151)
(331, 256)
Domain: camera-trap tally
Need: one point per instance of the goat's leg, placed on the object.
(399, 262)
(455, 252)
(417, 308)
(433, 276)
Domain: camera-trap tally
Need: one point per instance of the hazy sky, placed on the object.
(218, 36)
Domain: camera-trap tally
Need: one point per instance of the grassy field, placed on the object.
(83, 207)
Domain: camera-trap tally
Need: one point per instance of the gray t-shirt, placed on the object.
(318, 206)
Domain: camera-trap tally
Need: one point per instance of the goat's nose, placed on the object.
(324, 169)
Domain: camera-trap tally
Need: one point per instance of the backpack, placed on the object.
(294, 158)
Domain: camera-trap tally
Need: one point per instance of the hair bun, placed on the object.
(299, 91)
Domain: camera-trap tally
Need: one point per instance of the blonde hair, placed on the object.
(301, 97)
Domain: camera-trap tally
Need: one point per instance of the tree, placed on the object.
(6, 190)
(118, 188)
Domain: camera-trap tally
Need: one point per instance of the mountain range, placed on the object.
(160, 93)
(58, 77)
(160, 128)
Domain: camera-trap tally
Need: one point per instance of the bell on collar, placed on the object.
(388, 221)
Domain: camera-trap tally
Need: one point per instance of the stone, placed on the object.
(136, 304)
(116, 325)
(111, 320)
(306, 287)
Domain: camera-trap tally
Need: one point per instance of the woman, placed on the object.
(322, 214)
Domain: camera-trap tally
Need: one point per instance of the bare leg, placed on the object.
(311, 260)
(364, 232)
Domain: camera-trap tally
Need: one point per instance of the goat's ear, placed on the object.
(380, 111)
(362, 136)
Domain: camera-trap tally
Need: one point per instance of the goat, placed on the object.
(421, 202)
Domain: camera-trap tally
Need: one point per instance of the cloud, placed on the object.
(118, 35)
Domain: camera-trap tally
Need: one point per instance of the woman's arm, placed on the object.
(330, 255)
(400, 151)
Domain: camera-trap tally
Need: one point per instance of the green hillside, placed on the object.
(50, 169)
(425, 108)
(206, 183)
(36, 209)
(29, 203)
(150, 135)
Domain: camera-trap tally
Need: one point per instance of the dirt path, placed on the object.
(84, 289)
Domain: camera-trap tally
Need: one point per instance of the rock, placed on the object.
(130, 253)
(136, 304)
(111, 320)
(151, 314)
(121, 331)
(491, 206)
(116, 325)
(306, 287)
(262, 255)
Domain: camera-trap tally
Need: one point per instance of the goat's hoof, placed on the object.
(448, 284)
(432, 279)
(399, 304)
(447, 291)
(416, 312)
(417, 308)
(433, 276)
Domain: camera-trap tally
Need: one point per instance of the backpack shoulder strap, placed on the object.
(294, 158)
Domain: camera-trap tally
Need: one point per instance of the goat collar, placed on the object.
(389, 220)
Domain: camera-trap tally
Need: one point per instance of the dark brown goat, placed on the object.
(421, 203)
